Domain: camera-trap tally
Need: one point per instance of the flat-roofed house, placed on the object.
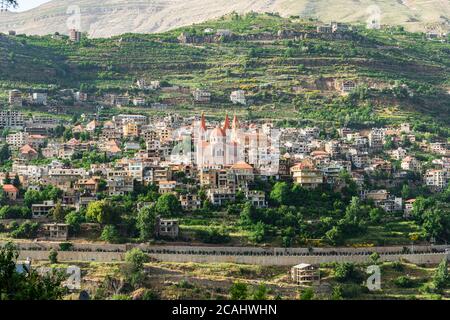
(56, 231)
(306, 174)
(167, 228)
(305, 274)
(42, 210)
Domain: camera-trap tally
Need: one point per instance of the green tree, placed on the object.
(16, 181)
(53, 256)
(376, 214)
(32, 197)
(337, 292)
(346, 271)
(168, 205)
(307, 294)
(102, 212)
(29, 285)
(440, 279)
(239, 291)
(27, 230)
(7, 179)
(146, 220)
(5, 154)
(260, 293)
(110, 234)
(374, 258)
(280, 193)
(74, 220)
(259, 232)
(58, 213)
(136, 258)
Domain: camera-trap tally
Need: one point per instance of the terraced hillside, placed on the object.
(105, 18)
(283, 65)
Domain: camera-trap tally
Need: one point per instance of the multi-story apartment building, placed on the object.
(436, 179)
(17, 140)
(221, 196)
(376, 138)
(306, 174)
(201, 96)
(15, 98)
(11, 119)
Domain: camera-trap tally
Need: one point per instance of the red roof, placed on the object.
(10, 188)
(26, 149)
(242, 165)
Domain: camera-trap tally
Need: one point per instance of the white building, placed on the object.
(436, 179)
(17, 140)
(40, 98)
(238, 97)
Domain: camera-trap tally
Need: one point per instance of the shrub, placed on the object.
(351, 290)
(27, 230)
(150, 295)
(213, 235)
(65, 246)
(136, 258)
(398, 266)
(307, 294)
(404, 282)
(184, 284)
(239, 291)
(53, 256)
(347, 271)
(110, 234)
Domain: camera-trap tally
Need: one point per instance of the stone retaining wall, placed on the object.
(67, 256)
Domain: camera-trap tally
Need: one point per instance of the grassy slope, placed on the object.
(213, 280)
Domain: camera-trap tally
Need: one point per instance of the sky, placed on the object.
(29, 4)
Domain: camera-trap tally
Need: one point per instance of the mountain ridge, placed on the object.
(105, 18)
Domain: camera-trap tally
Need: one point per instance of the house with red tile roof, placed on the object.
(11, 192)
(28, 153)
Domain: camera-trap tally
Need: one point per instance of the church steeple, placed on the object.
(203, 122)
(226, 125)
(235, 124)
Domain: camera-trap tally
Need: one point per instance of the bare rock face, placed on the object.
(104, 18)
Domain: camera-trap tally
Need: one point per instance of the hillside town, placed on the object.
(254, 156)
(201, 161)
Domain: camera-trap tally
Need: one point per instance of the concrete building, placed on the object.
(436, 179)
(201, 96)
(190, 202)
(305, 274)
(56, 231)
(238, 97)
(74, 35)
(257, 198)
(130, 130)
(17, 140)
(15, 98)
(167, 228)
(306, 174)
(40, 98)
(42, 210)
(221, 196)
(11, 119)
